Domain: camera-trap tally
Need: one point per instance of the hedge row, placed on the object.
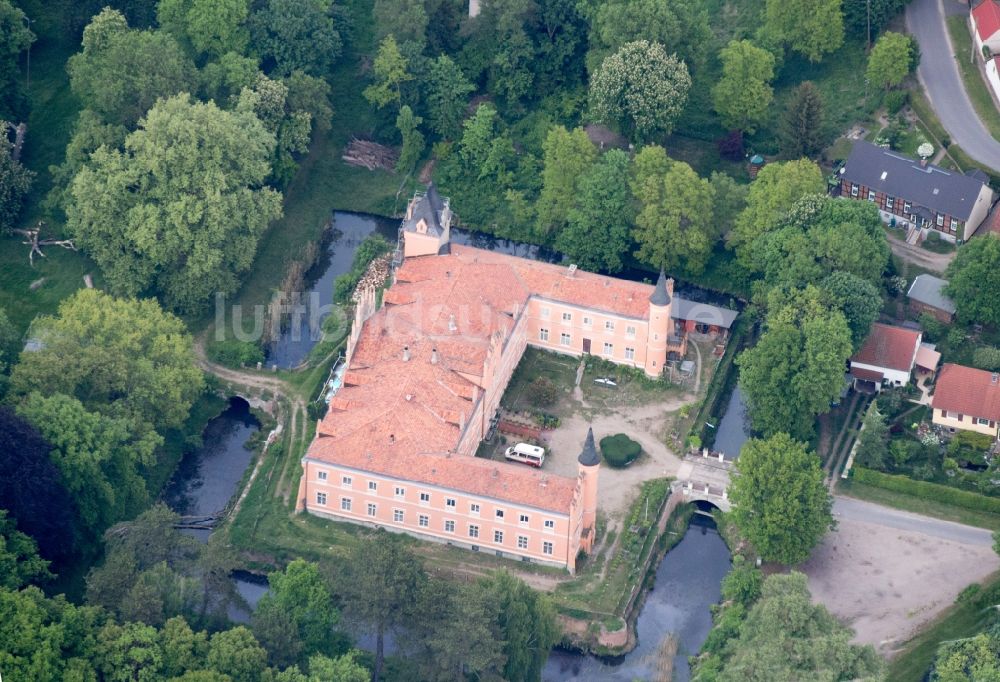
(928, 491)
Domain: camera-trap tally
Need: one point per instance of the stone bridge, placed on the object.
(704, 478)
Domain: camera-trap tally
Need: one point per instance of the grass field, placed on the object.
(961, 620)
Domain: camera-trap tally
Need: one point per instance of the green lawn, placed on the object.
(961, 620)
(891, 498)
(975, 85)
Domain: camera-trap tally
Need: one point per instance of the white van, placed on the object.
(526, 454)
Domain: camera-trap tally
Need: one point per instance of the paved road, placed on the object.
(857, 510)
(939, 75)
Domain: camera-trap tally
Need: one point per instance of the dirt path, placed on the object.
(842, 445)
(697, 371)
(920, 256)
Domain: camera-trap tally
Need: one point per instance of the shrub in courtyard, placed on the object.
(234, 353)
(987, 357)
(619, 450)
(543, 392)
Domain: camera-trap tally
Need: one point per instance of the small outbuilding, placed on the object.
(927, 295)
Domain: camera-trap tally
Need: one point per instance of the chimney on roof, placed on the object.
(452, 327)
(434, 356)
(406, 353)
(392, 438)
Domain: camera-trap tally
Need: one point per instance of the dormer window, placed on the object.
(422, 226)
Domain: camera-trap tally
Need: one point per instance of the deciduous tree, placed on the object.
(237, 654)
(568, 156)
(969, 659)
(297, 35)
(889, 61)
(19, 560)
(801, 132)
(743, 94)
(526, 622)
(797, 367)
(121, 72)
(683, 25)
(858, 298)
(407, 123)
(873, 441)
(813, 28)
(15, 181)
(404, 20)
(15, 38)
(446, 93)
(640, 88)
(380, 584)
(780, 503)
(972, 278)
(390, 73)
(777, 187)
(302, 593)
(675, 225)
(130, 359)
(180, 211)
(598, 231)
(214, 27)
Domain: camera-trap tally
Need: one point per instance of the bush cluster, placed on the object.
(619, 450)
(928, 491)
(234, 353)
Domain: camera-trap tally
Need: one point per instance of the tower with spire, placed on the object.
(589, 464)
(659, 325)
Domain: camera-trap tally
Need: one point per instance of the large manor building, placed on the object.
(424, 377)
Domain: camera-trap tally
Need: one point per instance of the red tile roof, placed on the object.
(987, 16)
(889, 347)
(969, 391)
(515, 483)
(866, 374)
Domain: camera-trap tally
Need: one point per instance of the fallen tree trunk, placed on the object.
(36, 243)
(370, 155)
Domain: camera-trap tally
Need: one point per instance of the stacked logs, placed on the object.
(375, 276)
(370, 155)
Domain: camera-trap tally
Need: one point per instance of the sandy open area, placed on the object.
(887, 573)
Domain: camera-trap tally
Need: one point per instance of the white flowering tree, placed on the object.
(641, 88)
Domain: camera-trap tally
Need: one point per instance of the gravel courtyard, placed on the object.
(887, 573)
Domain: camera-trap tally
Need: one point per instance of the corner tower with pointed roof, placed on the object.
(589, 464)
(426, 228)
(659, 325)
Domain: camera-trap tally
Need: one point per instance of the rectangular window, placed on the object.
(449, 526)
(588, 321)
(474, 508)
(499, 513)
(940, 220)
(543, 334)
(906, 207)
(473, 531)
(954, 224)
(522, 542)
(321, 498)
(630, 353)
(982, 422)
(871, 195)
(372, 485)
(346, 481)
(423, 521)
(321, 475)
(546, 548)
(400, 492)
(549, 524)
(889, 202)
(564, 339)
(630, 332)
(450, 502)
(567, 317)
(397, 515)
(854, 190)
(609, 348)
(523, 518)
(498, 537)
(609, 325)
(345, 503)
(372, 509)
(545, 313)
(425, 498)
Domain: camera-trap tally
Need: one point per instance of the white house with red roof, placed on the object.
(967, 399)
(888, 357)
(984, 20)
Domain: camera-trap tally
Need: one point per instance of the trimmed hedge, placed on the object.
(619, 450)
(928, 491)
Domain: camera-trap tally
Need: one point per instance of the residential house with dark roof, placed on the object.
(914, 193)
(967, 399)
(926, 295)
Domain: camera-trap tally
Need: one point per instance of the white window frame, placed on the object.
(399, 493)
(321, 498)
(450, 502)
(398, 516)
(425, 498)
(321, 475)
(549, 524)
(372, 509)
(629, 353)
(906, 207)
(940, 220)
(609, 325)
(871, 195)
(473, 531)
(982, 421)
(565, 339)
(523, 519)
(630, 332)
(954, 225)
(609, 349)
(522, 542)
(345, 504)
(449, 525)
(889, 201)
(588, 321)
(547, 547)
(474, 508)
(544, 313)
(543, 335)
(854, 190)
(346, 481)
(499, 513)
(497, 537)
(567, 317)
(372, 485)
(424, 521)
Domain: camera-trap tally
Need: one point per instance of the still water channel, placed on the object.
(687, 580)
